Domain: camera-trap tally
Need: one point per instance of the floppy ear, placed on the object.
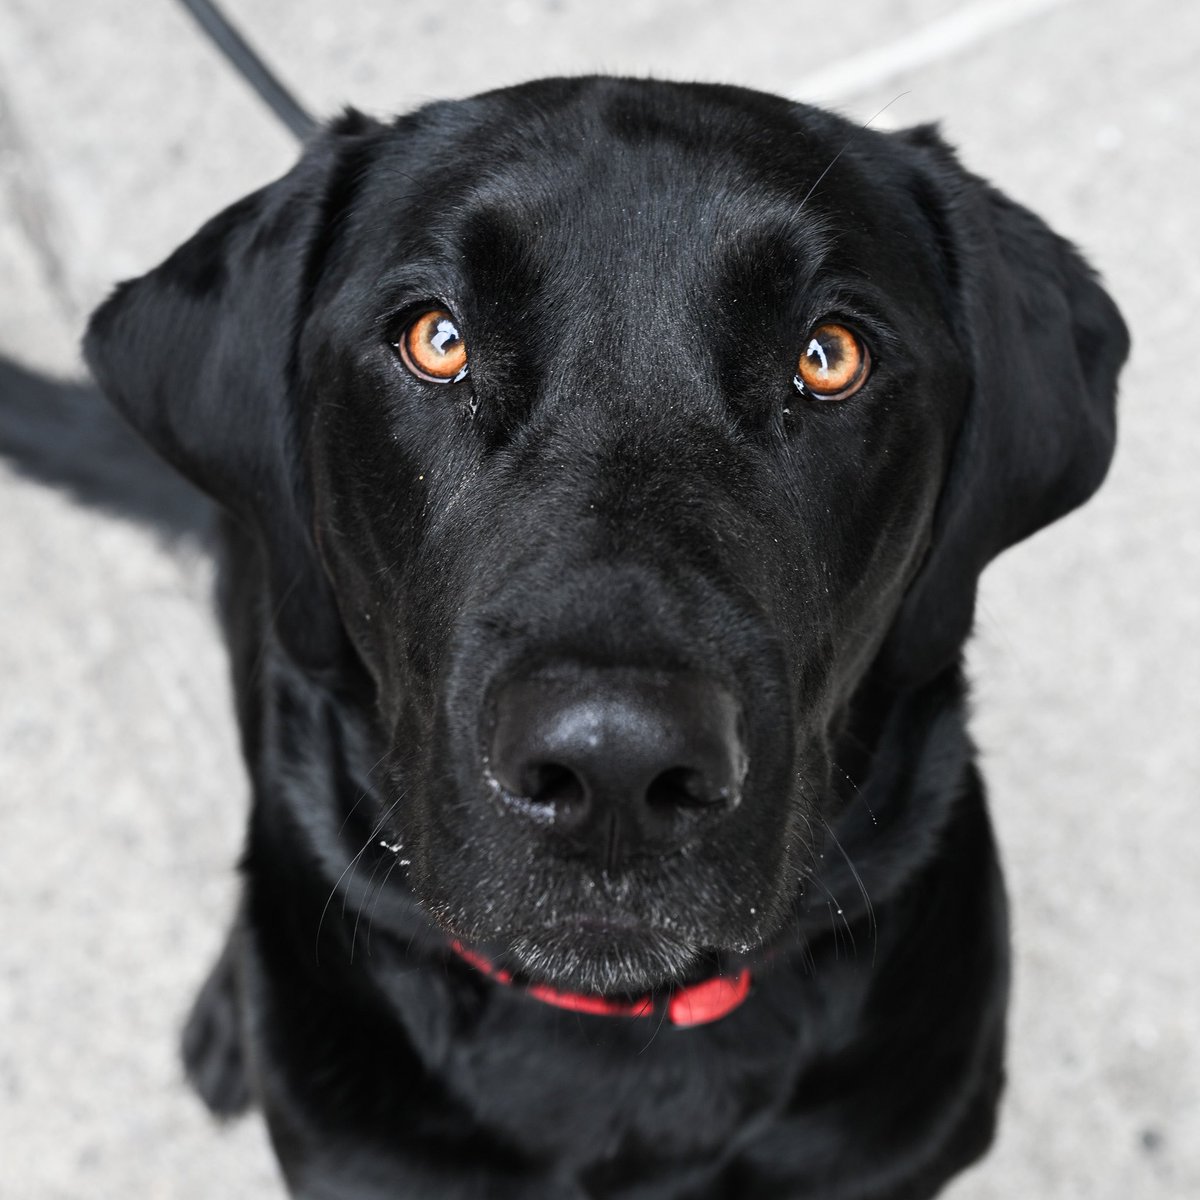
(197, 355)
(1045, 346)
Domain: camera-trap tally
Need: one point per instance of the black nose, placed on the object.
(642, 755)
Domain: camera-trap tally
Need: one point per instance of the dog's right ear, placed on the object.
(198, 354)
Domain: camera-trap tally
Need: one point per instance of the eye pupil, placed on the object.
(445, 333)
(816, 350)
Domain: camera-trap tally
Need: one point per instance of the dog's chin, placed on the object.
(604, 959)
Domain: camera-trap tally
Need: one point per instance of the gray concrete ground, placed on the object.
(120, 791)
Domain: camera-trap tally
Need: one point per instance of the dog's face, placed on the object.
(614, 570)
(621, 428)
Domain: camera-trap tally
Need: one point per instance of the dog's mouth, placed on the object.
(568, 925)
(611, 956)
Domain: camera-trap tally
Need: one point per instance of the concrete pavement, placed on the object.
(121, 796)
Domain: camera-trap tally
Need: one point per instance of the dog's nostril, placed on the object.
(554, 786)
(683, 787)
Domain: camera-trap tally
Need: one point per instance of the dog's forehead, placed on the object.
(618, 176)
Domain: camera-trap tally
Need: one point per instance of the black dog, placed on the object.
(608, 469)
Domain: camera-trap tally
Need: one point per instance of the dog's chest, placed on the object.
(587, 1092)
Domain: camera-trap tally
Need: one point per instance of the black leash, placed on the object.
(252, 68)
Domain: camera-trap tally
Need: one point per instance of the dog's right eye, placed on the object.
(432, 348)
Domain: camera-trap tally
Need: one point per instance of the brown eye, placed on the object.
(433, 349)
(834, 363)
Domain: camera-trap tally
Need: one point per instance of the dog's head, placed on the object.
(620, 428)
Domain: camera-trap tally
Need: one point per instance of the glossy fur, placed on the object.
(627, 485)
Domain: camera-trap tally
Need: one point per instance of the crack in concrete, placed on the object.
(939, 40)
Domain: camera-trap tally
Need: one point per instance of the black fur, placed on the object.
(627, 481)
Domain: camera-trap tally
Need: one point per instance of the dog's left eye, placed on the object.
(432, 347)
(834, 363)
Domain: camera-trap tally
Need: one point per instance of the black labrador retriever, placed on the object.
(607, 470)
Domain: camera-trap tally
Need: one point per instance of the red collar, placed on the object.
(699, 1004)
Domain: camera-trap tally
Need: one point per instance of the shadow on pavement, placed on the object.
(65, 434)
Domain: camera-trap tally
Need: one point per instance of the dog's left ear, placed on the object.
(1045, 344)
(198, 355)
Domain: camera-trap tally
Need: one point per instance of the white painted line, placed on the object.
(935, 42)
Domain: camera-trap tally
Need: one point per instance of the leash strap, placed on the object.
(251, 68)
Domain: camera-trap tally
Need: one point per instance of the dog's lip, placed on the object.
(601, 924)
(583, 929)
(576, 952)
